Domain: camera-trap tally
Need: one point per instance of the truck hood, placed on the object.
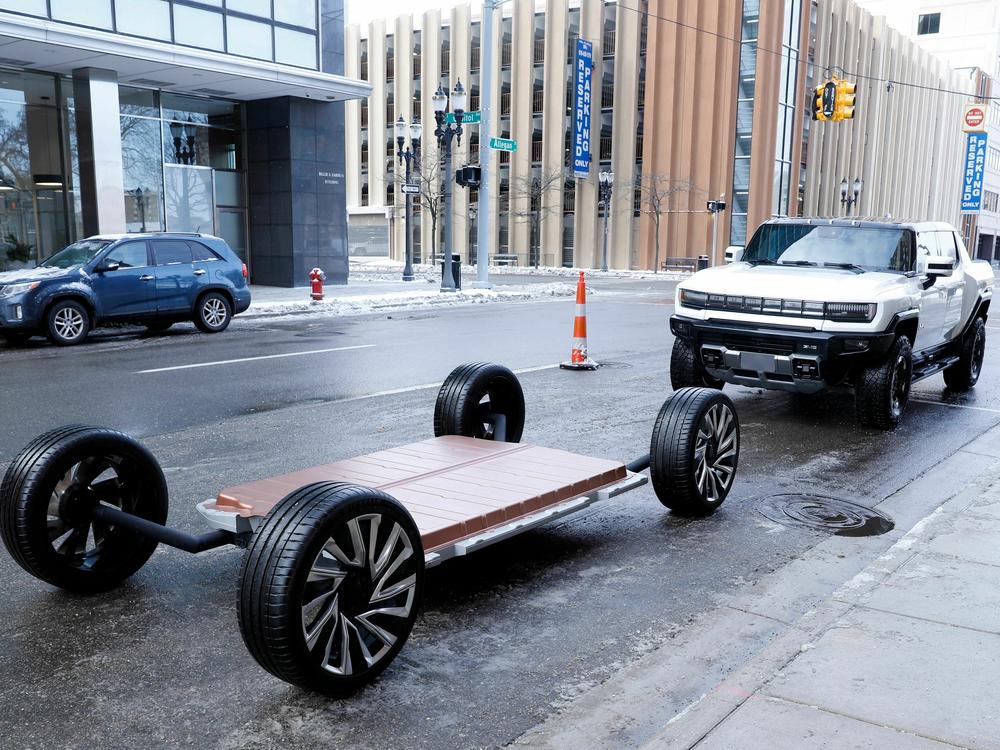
(23, 275)
(795, 282)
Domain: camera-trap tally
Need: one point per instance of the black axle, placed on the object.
(166, 535)
(638, 464)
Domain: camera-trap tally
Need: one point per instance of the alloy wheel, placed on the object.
(715, 452)
(68, 323)
(900, 385)
(978, 352)
(214, 312)
(359, 594)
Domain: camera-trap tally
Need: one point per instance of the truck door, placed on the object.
(934, 298)
(954, 287)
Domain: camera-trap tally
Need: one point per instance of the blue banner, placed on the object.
(581, 110)
(972, 178)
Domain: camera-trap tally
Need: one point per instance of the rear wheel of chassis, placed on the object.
(686, 370)
(46, 496)
(330, 586)
(694, 451)
(480, 400)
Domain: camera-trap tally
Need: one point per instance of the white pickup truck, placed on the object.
(814, 303)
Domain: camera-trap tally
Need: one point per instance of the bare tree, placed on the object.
(657, 193)
(426, 174)
(533, 189)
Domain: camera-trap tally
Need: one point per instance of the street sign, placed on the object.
(972, 178)
(584, 72)
(974, 119)
(410, 189)
(503, 144)
(469, 118)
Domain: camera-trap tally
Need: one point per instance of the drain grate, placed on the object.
(827, 514)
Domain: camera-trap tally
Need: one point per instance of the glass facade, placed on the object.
(787, 99)
(744, 121)
(282, 31)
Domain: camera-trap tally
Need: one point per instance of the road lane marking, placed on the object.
(955, 406)
(254, 359)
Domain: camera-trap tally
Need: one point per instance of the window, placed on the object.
(150, 18)
(296, 12)
(928, 23)
(169, 252)
(198, 28)
(251, 7)
(991, 201)
(249, 38)
(294, 48)
(993, 158)
(31, 7)
(128, 255)
(93, 13)
(946, 245)
(201, 253)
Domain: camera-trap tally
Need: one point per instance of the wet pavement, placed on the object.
(508, 635)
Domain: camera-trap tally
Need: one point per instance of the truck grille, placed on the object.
(746, 342)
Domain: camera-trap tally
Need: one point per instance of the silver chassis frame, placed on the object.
(237, 524)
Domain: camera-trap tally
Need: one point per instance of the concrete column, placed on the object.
(522, 75)
(99, 141)
(430, 78)
(376, 114)
(554, 128)
(587, 235)
(403, 104)
(352, 118)
(623, 127)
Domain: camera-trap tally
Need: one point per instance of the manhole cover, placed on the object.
(826, 514)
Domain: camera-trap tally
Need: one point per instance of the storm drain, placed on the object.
(826, 514)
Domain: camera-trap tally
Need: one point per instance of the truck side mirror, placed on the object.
(933, 267)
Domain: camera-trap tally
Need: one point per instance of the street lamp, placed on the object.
(410, 155)
(445, 133)
(849, 200)
(184, 138)
(141, 199)
(606, 180)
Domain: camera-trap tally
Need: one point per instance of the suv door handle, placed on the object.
(200, 272)
(146, 277)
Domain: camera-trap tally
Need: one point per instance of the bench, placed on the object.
(679, 264)
(504, 259)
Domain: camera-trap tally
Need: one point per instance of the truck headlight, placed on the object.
(11, 289)
(855, 312)
(696, 300)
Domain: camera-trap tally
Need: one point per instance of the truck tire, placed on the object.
(480, 400)
(67, 323)
(44, 499)
(330, 586)
(694, 451)
(882, 391)
(964, 374)
(686, 370)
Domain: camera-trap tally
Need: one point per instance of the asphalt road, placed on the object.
(507, 635)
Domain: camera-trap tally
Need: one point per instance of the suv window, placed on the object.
(946, 245)
(171, 251)
(128, 255)
(872, 248)
(200, 252)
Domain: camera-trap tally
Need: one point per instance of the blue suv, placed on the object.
(154, 280)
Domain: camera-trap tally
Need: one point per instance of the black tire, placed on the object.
(15, 339)
(686, 370)
(694, 451)
(964, 374)
(67, 323)
(45, 495)
(480, 400)
(213, 313)
(882, 391)
(290, 562)
(158, 326)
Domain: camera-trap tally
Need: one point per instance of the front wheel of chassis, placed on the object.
(480, 400)
(46, 498)
(330, 586)
(694, 451)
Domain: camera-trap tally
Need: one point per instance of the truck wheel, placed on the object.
(686, 370)
(694, 451)
(48, 490)
(213, 313)
(67, 322)
(881, 391)
(963, 375)
(480, 400)
(330, 586)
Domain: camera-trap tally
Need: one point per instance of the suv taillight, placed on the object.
(246, 273)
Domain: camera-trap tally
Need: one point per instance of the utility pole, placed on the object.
(715, 208)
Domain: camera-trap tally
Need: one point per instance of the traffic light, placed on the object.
(825, 101)
(468, 176)
(844, 109)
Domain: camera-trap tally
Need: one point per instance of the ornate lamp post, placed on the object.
(445, 133)
(606, 180)
(185, 148)
(409, 155)
(849, 200)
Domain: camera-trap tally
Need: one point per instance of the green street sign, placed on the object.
(503, 144)
(469, 118)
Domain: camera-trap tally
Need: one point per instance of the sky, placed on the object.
(363, 11)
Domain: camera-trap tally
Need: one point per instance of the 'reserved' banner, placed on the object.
(581, 110)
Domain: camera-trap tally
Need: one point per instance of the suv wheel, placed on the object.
(686, 370)
(68, 323)
(213, 313)
(881, 391)
(962, 375)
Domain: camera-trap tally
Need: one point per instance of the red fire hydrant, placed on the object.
(317, 277)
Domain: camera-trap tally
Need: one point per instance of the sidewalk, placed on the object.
(905, 654)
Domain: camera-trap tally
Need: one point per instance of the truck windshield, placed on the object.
(868, 248)
(76, 254)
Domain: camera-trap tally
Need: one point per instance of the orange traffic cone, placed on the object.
(578, 358)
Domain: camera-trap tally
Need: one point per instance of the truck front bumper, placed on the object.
(777, 357)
